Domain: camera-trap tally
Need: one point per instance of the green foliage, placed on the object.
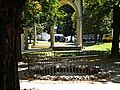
(97, 16)
(43, 12)
(32, 11)
(96, 13)
(51, 13)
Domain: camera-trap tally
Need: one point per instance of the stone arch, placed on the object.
(77, 6)
(70, 3)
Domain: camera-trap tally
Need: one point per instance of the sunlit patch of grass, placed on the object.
(40, 46)
(99, 47)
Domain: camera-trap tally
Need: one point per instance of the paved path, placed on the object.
(57, 85)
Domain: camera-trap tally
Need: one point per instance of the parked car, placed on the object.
(68, 39)
(62, 38)
(107, 38)
(59, 38)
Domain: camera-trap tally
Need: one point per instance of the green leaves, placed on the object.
(42, 12)
(97, 15)
(31, 11)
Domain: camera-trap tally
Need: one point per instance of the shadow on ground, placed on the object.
(96, 58)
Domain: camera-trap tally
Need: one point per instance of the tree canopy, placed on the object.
(102, 9)
(97, 17)
(42, 11)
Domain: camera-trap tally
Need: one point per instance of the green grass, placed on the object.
(96, 47)
(99, 47)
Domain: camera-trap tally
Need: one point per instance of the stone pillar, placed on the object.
(79, 23)
(79, 32)
(22, 42)
(52, 37)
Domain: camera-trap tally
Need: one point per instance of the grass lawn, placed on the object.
(97, 47)
(100, 47)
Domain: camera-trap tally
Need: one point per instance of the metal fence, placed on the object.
(59, 63)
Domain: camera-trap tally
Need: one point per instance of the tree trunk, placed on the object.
(52, 37)
(95, 37)
(115, 44)
(10, 16)
(35, 32)
(8, 60)
(71, 39)
(100, 37)
(18, 47)
(26, 39)
(116, 28)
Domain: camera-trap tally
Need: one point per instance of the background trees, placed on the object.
(102, 11)
(98, 17)
(42, 12)
(32, 11)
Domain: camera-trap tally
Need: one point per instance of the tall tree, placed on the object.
(51, 13)
(97, 18)
(31, 16)
(107, 7)
(116, 31)
(10, 30)
(45, 13)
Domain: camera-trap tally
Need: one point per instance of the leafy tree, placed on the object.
(31, 16)
(46, 13)
(32, 11)
(102, 8)
(97, 19)
(51, 13)
(116, 32)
